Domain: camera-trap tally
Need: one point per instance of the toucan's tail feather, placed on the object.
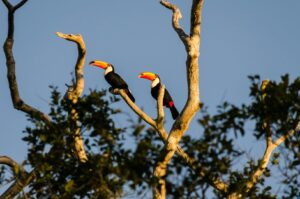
(174, 112)
(130, 95)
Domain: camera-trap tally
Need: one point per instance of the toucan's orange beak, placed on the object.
(148, 75)
(100, 64)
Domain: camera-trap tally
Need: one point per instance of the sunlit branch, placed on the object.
(160, 108)
(267, 155)
(175, 21)
(74, 92)
(287, 135)
(79, 83)
(191, 162)
(193, 103)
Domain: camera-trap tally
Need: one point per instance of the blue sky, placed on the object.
(238, 38)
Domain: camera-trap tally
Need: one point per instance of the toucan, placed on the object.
(113, 78)
(155, 86)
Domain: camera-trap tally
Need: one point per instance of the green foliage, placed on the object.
(51, 151)
(281, 106)
(115, 169)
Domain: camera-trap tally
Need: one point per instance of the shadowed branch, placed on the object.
(22, 178)
(17, 101)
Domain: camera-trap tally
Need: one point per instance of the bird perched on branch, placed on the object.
(113, 78)
(155, 86)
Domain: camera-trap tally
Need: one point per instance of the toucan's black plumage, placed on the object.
(167, 101)
(155, 86)
(114, 79)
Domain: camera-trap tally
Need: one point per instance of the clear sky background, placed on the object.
(238, 38)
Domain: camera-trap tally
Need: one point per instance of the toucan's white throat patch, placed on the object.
(108, 70)
(155, 82)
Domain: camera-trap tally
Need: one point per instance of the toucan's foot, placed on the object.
(113, 91)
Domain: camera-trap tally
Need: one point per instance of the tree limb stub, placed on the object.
(74, 92)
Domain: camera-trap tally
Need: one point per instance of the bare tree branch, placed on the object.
(287, 135)
(7, 4)
(175, 21)
(191, 162)
(74, 92)
(196, 18)
(160, 108)
(16, 168)
(262, 165)
(19, 5)
(193, 103)
(266, 157)
(135, 108)
(79, 84)
(12, 8)
(22, 178)
(18, 186)
(18, 103)
(270, 147)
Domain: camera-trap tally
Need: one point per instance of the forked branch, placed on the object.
(13, 8)
(193, 104)
(191, 162)
(267, 155)
(17, 101)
